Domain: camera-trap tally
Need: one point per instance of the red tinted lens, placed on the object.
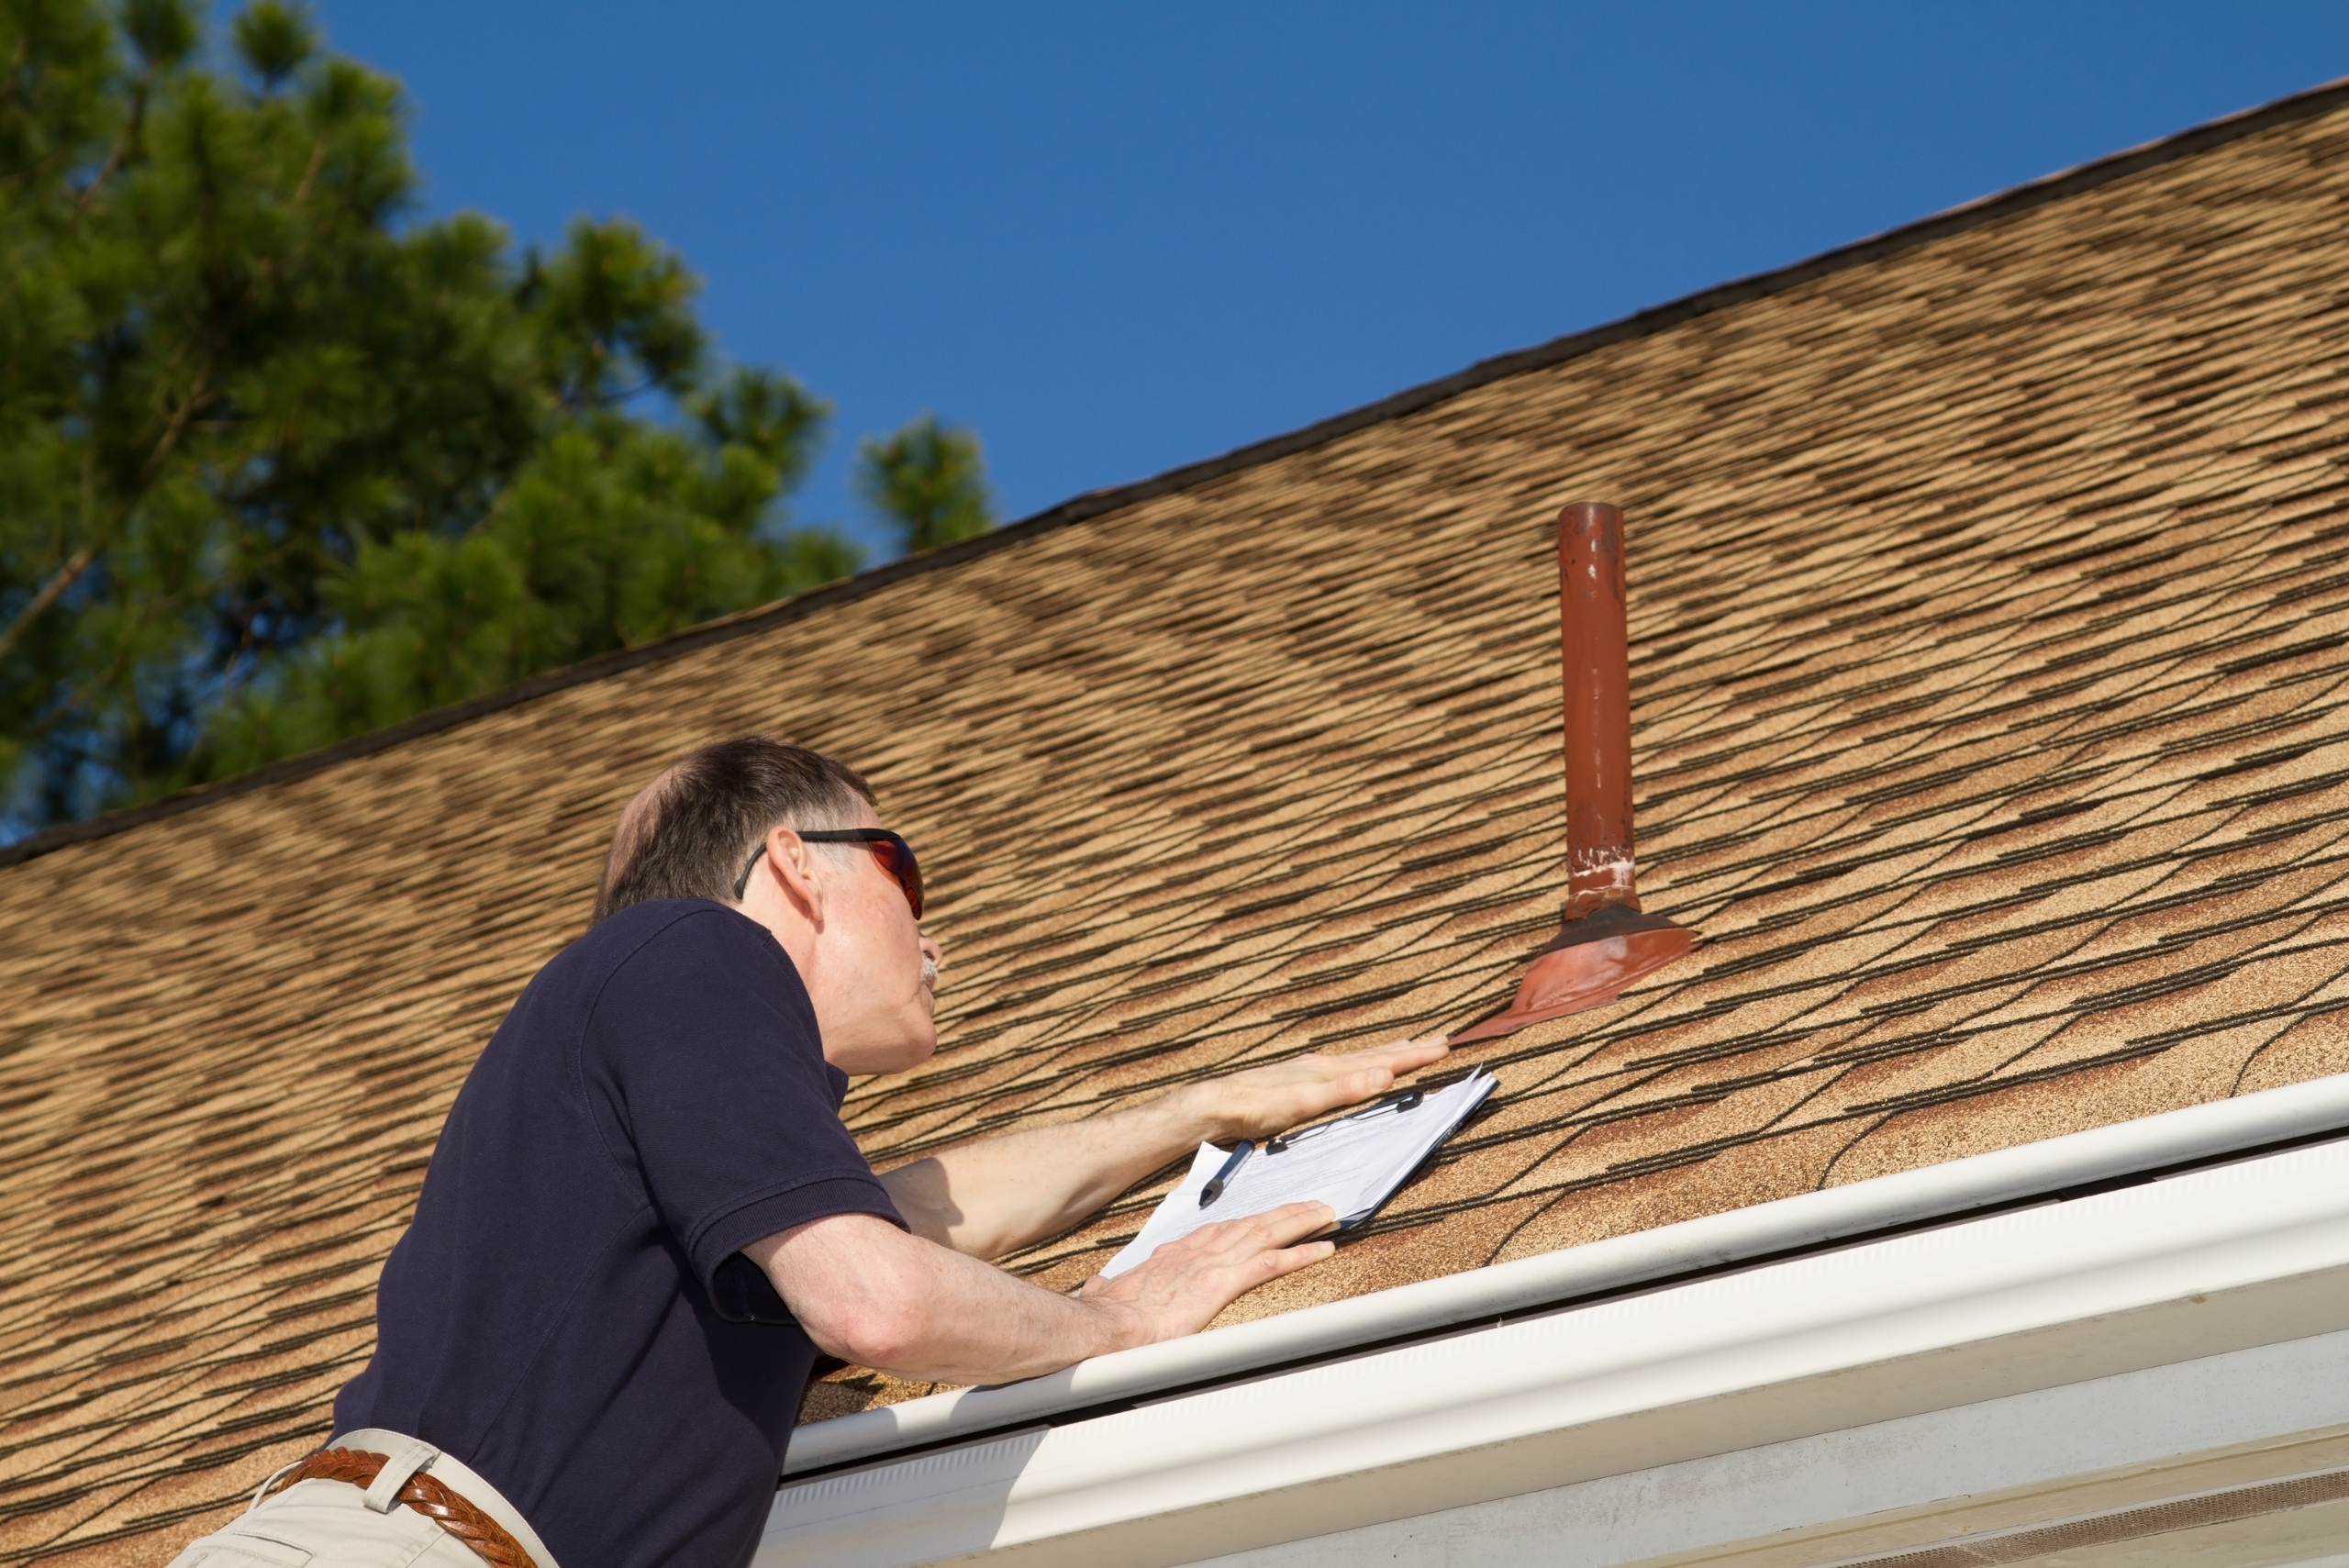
(898, 860)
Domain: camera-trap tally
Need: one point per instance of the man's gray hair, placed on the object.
(688, 832)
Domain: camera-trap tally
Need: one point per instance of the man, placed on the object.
(644, 1218)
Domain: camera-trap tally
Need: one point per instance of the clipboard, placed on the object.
(1354, 1164)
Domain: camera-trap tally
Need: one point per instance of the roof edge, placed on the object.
(2156, 1275)
(1092, 504)
(2118, 1154)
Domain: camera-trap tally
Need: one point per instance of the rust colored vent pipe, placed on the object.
(1606, 941)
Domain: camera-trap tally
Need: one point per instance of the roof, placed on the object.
(1989, 589)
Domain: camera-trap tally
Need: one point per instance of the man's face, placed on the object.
(875, 990)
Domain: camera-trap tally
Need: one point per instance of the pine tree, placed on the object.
(278, 465)
(930, 482)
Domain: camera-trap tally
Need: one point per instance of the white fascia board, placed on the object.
(1807, 1219)
(2078, 1449)
(2217, 1260)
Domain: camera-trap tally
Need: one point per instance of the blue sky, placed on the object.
(1120, 236)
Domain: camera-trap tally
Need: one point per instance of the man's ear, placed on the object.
(793, 860)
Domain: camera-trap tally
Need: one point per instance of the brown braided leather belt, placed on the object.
(435, 1501)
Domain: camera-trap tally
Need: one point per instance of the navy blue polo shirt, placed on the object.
(569, 1313)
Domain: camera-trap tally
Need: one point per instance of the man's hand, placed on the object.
(1264, 1101)
(993, 1196)
(1179, 1289)
(868, 1293)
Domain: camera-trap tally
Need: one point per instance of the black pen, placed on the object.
(1222, 1179)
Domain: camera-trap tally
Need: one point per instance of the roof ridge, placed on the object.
(1978, 212)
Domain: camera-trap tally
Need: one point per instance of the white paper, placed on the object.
(1351, 1164)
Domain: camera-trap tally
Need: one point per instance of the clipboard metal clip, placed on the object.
(1398, 1100)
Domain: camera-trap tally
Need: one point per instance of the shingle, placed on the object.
(1990, 618)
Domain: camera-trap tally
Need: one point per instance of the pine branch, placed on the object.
(82, 558)
(317, 158)
(119, 150)
(51, 592)
(13, 87)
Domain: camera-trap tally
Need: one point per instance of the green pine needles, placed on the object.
(931, 480)
(278, 466)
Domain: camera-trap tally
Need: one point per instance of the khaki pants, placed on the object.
(331, 1523)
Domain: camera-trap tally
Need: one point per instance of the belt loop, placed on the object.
(385, 1491)
(273, 1474)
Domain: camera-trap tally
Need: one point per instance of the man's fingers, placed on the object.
(1279, 1226)
(1360, 1074)
(1267, 1246)
(1184, 1283)
(1292, 1221)
(1273, 1228)
(1403, 1055)
(1275, 1098)
(1289, 1259)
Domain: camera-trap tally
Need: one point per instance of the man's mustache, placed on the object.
(929, 975)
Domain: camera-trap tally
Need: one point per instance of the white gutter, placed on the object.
(2204, 1263)
(1807, 1219)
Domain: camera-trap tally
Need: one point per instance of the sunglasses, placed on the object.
(897, 858)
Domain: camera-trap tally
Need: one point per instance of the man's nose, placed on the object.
(931, 950)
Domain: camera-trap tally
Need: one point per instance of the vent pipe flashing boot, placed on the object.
(1607, 942)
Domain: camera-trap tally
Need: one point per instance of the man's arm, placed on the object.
(1001, 1194)
(870, 1293)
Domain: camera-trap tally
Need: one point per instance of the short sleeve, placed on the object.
(730, 1110)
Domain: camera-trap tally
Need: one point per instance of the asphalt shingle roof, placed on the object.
(1989, 599)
